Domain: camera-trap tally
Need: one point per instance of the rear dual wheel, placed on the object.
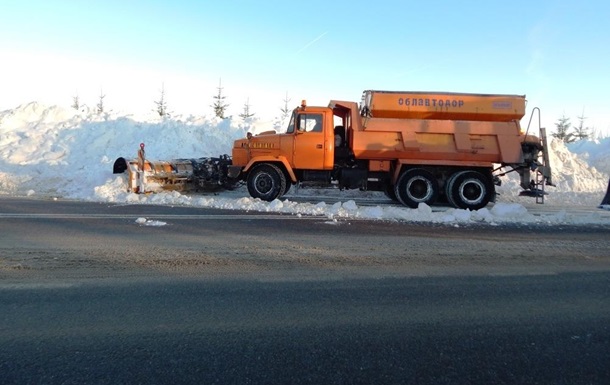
(416, 186)
(469, 190)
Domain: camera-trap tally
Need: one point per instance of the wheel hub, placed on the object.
(472, 191)
(263, 184)
(419, 189)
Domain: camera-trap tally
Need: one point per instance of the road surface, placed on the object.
(90, 296)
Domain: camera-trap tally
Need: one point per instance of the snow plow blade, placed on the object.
(202, 174)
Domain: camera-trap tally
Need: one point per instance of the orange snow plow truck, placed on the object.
(417, 147)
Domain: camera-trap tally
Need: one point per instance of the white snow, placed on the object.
(150, 222)
(54, 152)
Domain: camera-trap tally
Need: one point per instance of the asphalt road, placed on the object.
(440, 330)
(89, 296)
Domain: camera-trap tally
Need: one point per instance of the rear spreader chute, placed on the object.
(201, 174)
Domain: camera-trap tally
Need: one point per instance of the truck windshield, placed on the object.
(290, 128)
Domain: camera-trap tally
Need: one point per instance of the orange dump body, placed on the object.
(443, 106)
(443, 141)
(473, 142)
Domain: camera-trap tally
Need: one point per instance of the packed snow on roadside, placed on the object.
(50, 151)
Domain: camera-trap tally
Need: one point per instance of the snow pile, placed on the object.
(576, 182)
(589, 151)
(57, 152)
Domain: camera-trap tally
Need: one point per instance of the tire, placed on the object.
(388, 190)
(448, 194)
(266, 182)
(288, 185)
(469, 190)
(288, 182)
(416, 186)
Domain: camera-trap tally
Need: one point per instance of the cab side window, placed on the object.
(310, 123)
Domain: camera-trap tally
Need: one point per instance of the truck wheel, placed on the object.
(469, 190)
(266, 182)
(388, 190)
(288, 183)
(416, 186)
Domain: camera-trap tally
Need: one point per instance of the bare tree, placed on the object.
(220, 106)
(161, 103)
(246, 114)
(100, 104)
(285, 109)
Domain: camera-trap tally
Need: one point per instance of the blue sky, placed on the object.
(555, 52)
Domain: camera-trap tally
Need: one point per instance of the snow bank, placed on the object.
(53, 151)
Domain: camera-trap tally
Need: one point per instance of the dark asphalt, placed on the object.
(543, 329)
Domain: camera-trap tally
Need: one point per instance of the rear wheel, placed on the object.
(266, 182)
(469, 190)
(416, 186)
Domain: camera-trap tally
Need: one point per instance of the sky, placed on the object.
(265, 52)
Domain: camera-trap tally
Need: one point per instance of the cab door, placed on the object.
(310, 148)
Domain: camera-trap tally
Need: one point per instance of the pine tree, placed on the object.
(246, 114)
(100, 104)
(286, 110)
(161, 103)
(581, 132)
(220, 106)
(563, 127)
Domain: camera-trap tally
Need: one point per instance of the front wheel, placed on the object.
(266, 182)
(416, 186)
(288, 185)
(389, 192)
(469, 190)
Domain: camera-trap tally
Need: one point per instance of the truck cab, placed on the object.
(308, 143)
(271, 162)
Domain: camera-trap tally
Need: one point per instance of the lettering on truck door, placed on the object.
(309, 142)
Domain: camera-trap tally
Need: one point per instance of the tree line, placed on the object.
(568, 133)
(565, 130)
(219, 105)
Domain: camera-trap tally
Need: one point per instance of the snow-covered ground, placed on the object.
(54, 152)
